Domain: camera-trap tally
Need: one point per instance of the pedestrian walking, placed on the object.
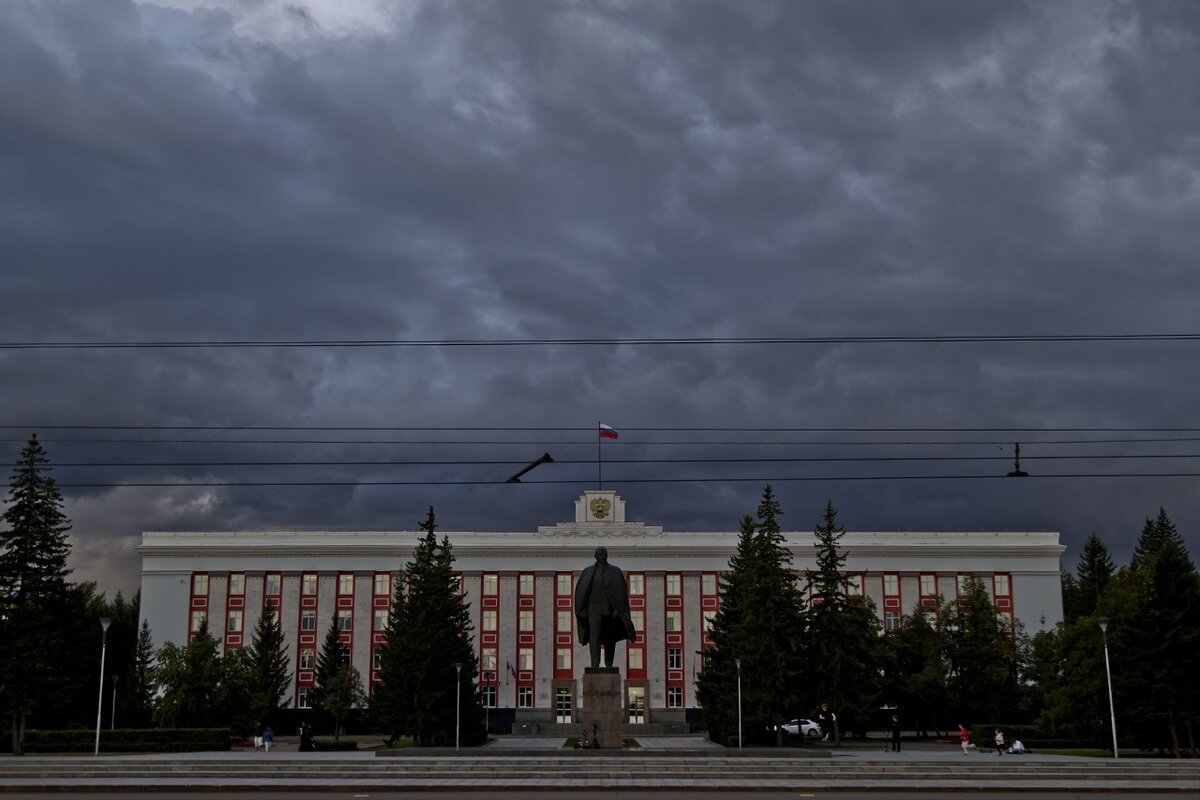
(999, 739)
(895, 734)
(268, 737)
(258, 732)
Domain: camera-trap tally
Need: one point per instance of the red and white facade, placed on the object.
(520, 589)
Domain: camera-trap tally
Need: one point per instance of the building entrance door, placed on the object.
(637, 705)
(564, 704)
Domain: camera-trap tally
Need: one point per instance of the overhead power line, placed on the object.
(502, 482)
(598, 341)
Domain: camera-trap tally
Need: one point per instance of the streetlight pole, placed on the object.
(1103, 623)
(738, 662)
(457, 700)
(112, 720)
(104, 623)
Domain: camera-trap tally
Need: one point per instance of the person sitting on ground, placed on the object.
(1018, 747)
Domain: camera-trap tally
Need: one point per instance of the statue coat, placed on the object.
(611, 583)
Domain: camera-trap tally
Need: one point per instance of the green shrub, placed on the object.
(128, 740)
(329, 745)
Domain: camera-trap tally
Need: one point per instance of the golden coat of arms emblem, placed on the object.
(600, 507)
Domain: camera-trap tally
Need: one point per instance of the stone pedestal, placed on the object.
(604, 706)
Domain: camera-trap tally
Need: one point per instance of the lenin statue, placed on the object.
(602, 608)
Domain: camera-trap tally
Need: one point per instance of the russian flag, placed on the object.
(607, 431)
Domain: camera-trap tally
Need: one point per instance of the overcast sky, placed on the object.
(326, 170)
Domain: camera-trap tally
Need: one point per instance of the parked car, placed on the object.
(802, 727)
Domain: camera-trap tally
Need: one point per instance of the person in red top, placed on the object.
(964, 737)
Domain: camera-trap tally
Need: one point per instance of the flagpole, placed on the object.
(599, 458)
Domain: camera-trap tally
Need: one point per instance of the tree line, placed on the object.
(794, 648)
(954, 662)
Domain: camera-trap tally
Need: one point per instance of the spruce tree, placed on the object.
(1095, 571)
(429, 633)
(844, 648)
(759, 623)
(1154, 639)
(269, 664)
(329, 663)
(141, 684)
(33, 590)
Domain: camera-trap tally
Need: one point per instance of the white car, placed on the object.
(805, 727)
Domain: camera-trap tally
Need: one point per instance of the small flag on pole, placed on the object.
(607, 431)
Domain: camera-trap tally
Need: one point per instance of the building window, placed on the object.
(708, 583)
(383, 583)
(675, 658)
(891, 584)
(302, 700)
(237, 583)
(308, 620)
(891, 621)
(962, 584)
(674, 621)
(491, 584)
(489, 619)
(381, 619)
(1002, 586)
(344, 656)
(345, 619)
(306, 658)
(562, 658)
(637, 583)
(198, 620)
(564, 620)
(272, 584)
(489, 696)
(525, 620)
(377, 659)
(233, 622)
(931, 617)
(345, 584)
(636, 658)
(674, 697)
(525, 659)
(674, 583)
(525, 584)
(487, 659)
(563, 581)
(308, 584)
(199, 585)
(928, 585)
(854, 584)
(709, 615)
(639, 622)
(524, 697)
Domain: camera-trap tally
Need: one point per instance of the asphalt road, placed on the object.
(575, 795)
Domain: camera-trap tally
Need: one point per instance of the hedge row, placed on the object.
(984, 737)
(128, 740)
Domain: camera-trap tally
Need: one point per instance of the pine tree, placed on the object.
(269, 664)
(33, 589)
(392, 700)
(844, 649)
(759, 623)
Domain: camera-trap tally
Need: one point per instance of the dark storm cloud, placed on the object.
(309, 170)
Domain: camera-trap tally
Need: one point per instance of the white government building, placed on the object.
(520, 588)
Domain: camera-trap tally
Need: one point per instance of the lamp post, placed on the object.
(1103, 623)
(457, 700)
(112, 719)
(104, 623)
(738, 662)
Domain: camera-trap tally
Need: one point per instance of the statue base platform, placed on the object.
(603, 714)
